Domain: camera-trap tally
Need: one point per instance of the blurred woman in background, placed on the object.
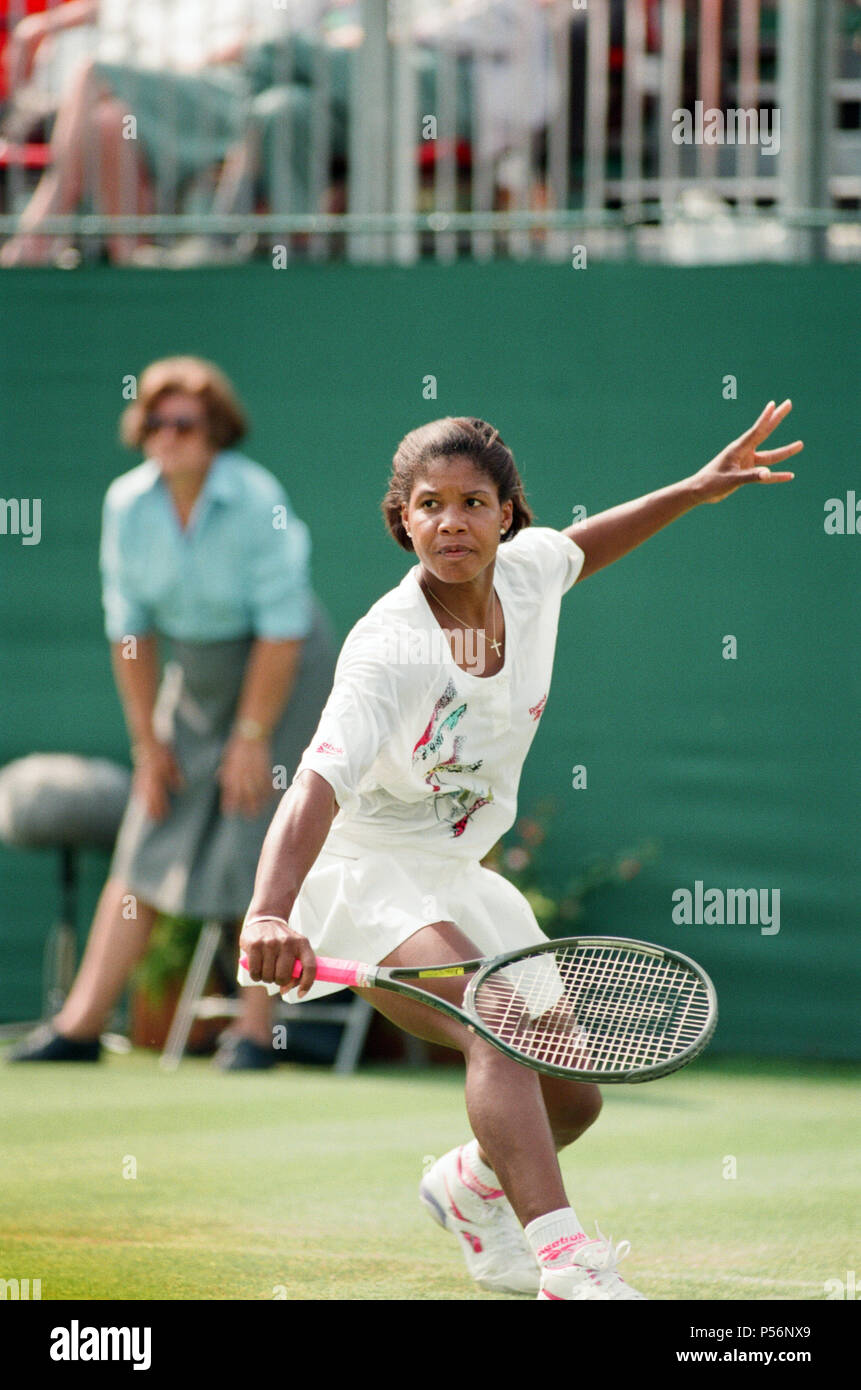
(200, 548)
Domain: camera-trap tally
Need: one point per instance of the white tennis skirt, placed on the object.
(362, 908)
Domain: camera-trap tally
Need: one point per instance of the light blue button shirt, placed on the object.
(240, 568)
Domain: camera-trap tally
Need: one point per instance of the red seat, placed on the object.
(29, 156)
(30, 7)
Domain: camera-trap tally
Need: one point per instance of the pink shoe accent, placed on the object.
(467, 1235)
(459, 1214)
(555, 1296)
(550, 1252)
(475, 1184)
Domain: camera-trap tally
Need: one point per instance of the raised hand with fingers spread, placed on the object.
(741, 462)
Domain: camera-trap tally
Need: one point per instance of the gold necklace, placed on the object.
(495, 645)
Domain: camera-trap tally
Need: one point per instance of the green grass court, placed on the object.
(302, 1184)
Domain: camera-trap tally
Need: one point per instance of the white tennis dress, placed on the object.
(425, 761)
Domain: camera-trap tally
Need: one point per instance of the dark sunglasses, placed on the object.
(183, 424)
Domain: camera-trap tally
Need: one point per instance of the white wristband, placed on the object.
(242, 974)
(265, 917)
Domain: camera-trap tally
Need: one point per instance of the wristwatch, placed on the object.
(250, 728)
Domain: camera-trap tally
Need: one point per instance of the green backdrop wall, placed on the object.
(607, 383)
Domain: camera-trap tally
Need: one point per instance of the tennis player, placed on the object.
(411, 778)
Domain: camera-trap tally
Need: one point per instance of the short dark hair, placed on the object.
(448, 438)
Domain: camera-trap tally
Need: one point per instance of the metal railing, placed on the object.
(396, 129)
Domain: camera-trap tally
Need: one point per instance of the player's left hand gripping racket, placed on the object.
(588, 1008)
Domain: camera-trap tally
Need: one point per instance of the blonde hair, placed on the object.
(226, 422)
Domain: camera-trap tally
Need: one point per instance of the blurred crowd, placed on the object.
(240, 107)
(141, 106)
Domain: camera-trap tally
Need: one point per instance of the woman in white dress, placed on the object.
(410, 779)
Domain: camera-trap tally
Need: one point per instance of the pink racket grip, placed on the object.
(330, 971)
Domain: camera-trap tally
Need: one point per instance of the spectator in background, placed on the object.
(176, 67)
(505, 87)
(245, 106)
(507, 43)
(201, 549)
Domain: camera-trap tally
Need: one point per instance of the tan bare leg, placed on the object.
(118, 938)
(518, 1122)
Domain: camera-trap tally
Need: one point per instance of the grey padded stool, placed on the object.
(67, 803)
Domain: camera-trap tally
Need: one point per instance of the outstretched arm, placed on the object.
(610, 535)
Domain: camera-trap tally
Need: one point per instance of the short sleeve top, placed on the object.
(240, 568)
(424, 755)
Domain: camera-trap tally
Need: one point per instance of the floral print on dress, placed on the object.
(439, 754)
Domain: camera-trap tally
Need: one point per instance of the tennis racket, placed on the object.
(588, 1008)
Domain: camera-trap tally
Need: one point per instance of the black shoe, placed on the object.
(45, 1044)
(242, 1054)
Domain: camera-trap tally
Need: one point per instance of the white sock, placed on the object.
(485, 1183)
(553, 1235)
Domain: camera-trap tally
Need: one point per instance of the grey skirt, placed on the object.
(198, 862)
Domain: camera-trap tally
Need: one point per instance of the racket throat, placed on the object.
(363, 976)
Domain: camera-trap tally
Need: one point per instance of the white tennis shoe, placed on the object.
(497, 1253)
(587, 1270)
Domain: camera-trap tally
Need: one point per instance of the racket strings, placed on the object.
(640, 1013)
(595, 1008)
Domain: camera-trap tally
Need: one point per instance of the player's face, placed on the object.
(177, 436)
(455, 518)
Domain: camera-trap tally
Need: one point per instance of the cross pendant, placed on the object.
(496, 646)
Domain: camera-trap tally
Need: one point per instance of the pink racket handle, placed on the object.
(330, 971)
